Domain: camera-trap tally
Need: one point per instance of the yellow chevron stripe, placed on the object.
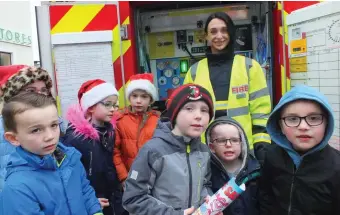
(116, 54)
(121, 92)
(116, 41)
(285, 14)
(288, 84)
(77, 18)
(283, 90)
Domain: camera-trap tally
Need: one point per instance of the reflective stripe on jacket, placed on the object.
(248, 99)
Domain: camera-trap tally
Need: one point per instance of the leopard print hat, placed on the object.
(14, 78)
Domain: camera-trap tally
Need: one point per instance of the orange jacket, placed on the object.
(132, 132)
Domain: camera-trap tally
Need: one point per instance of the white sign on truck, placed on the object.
(314, 53)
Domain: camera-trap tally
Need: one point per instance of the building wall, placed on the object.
(16, 31)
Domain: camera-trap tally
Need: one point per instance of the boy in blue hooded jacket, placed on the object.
(301, 172)
(16, 79)
(43, 177)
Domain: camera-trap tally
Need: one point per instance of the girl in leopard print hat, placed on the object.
(15, 79)
(21, 78)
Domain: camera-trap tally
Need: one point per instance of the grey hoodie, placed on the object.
(246, 204)
(168, 176)
(249, 163)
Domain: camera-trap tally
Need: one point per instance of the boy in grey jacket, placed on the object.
(171, 173)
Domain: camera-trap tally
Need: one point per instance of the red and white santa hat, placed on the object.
(142, 82)
(93, 91)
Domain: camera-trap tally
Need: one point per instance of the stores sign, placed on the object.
(15, 37)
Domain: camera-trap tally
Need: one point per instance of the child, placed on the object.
(301, 171)
(43, 177)
(231, 158)
(16, 79)
(91, 132)
(136, 123)
(172, 171)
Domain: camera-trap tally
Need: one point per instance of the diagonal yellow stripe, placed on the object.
(121, 99)
(77, 18)
(288, 84)
(116, 42)
(115, 55)
(283, 88)
(285, 14)
(126, 21)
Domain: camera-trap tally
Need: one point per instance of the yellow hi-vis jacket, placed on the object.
(249, 100)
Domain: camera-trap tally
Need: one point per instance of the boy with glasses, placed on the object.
(301, 171)
(231, 158)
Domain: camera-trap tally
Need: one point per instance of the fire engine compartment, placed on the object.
(170, 37)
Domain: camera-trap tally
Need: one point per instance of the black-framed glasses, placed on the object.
(311, 120)
(109, 105)
(223, 141)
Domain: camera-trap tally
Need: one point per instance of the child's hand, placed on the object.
(206, 199)
(103, 202)
(189, 210)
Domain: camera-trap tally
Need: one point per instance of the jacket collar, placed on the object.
(23, 160)
(163, 131)
(82, 126)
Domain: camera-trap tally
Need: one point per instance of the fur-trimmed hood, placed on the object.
(81, 126)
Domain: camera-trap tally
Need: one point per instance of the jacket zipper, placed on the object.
(291, 190)
(190, 176)
(140, 127)
(199, 182)
(90, 168)
(65, 193)
(290, 196)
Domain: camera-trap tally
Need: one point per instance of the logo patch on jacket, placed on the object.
(240, 89)
(134, 174)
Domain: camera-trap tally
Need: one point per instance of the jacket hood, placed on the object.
(245, 144)
(81, 126)
(163, 131)
(22, 160)
(300, 92)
